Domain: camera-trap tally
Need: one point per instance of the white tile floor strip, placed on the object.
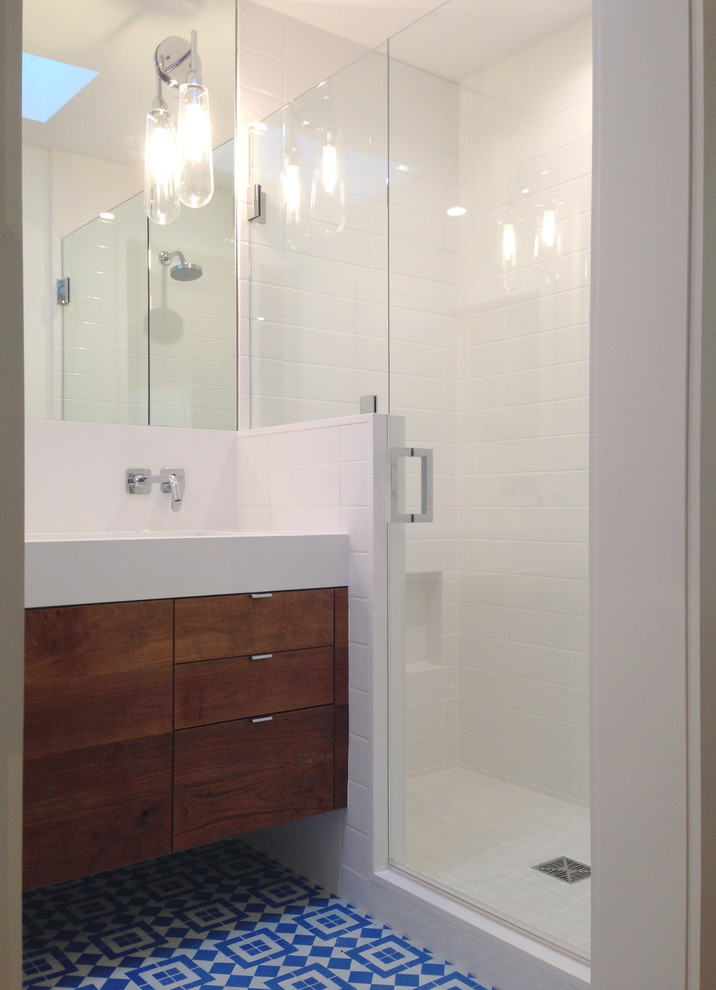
(480, 837)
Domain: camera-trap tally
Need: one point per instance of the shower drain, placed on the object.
(566, 869)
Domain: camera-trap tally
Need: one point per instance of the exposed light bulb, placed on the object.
(195, 167)
(161, 203)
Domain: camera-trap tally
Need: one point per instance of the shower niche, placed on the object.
(148, 332)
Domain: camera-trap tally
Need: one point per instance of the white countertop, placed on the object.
(81, 568)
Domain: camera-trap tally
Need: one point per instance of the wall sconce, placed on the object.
(178, 163)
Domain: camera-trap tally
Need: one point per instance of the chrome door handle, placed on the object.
(426, 485)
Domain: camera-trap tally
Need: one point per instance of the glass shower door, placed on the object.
(489, 199)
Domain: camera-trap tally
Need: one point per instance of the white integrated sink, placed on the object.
(80, 568)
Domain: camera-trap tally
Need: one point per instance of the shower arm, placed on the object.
(165, 257)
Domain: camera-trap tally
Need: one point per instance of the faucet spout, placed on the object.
(173, 483)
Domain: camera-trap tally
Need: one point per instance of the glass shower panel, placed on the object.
(489, 149)
(318, 293)
(104, 325)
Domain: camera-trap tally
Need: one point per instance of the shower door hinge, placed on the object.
(399, 510)
(257, 204)
(63, 291)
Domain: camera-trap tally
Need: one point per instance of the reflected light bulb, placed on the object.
(509, 245)
(291, 189)
(548, 228)
(329, 166)
(160, 196)
(195, 167)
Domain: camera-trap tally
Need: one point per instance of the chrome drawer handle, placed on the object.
(264, 718)
(263, 594)
(261, 656)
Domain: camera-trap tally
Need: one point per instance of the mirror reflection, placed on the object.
(135, 341)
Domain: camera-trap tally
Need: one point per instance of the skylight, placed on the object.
(47, 85)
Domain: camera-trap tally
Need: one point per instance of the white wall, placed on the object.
(639, 503)
(11, 522)
(75, 478)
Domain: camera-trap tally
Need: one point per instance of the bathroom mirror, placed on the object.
(141, 340)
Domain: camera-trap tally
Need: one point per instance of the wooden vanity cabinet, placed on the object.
(258, 720)
(159, 725)
(98, 738)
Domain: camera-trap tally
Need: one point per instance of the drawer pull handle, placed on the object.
(263, 594)
(264, 718)
(261, 656)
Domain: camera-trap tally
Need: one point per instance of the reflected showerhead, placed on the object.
(185, 271)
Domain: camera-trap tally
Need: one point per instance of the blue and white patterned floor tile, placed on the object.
(222, 916)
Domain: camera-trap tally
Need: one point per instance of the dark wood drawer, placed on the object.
(97, 674)
(218, 690)
(237, 625)
(234, 777)
(92, 809)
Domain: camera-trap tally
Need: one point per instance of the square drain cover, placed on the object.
(563, 868)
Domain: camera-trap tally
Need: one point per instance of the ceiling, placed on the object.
(457, 38)
(368, 22)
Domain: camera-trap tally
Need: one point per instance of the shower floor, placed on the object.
(479, 838)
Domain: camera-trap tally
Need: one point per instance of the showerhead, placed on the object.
(185, 271)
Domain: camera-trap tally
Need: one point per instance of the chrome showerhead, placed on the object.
(185, 271)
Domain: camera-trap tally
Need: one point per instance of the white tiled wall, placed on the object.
(424, 271)
(522, 409)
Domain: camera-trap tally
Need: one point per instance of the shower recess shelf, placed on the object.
(84, 568)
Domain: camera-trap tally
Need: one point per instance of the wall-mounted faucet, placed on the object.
(171, 481)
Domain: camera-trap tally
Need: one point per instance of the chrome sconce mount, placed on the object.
(170, 55)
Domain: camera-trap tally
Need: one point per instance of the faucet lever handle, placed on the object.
(173, 483)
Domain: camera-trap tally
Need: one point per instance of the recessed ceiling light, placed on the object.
(456, 211)
(47, 85)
